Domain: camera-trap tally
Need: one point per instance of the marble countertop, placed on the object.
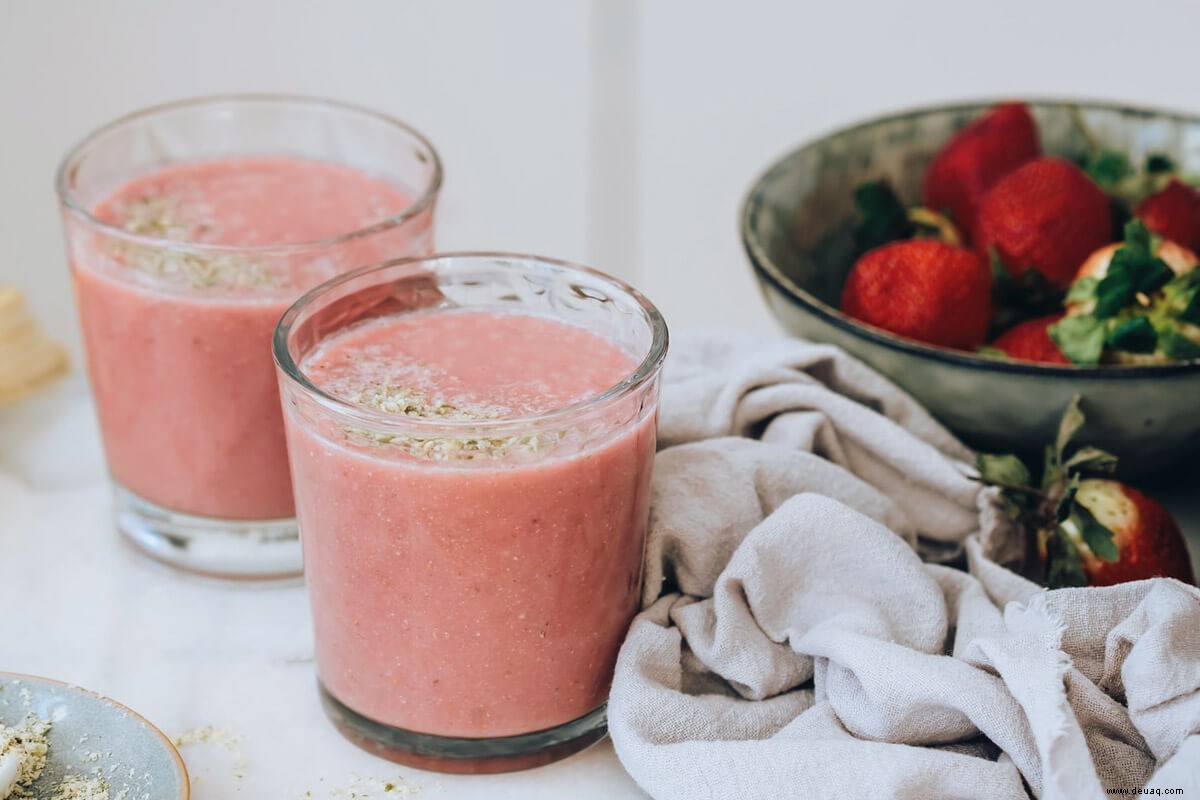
(82, 607)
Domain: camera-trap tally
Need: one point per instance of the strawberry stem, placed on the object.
(940, 223)
(1011, 487)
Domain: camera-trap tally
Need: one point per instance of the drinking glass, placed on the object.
(177, 332)
(471, 579)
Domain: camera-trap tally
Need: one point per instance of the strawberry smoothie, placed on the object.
(470, 579)
(178, 337)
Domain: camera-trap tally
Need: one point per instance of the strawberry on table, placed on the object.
(1086, 529)
(923, 289)
(1045, 217)
(1030, 341)
(1147, 541)
(975, 158)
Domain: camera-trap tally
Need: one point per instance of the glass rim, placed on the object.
(647, 368)
(76, 153)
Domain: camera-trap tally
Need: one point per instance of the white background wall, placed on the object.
(617, 132)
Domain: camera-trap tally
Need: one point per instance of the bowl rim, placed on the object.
(767, 271)
(180, 766)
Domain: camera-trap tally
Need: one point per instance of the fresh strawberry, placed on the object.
(1086, 530)
(1173, 213)
(923, 289)
(1179, 259)
(1047, 216)
(1030, 341)
(1148, 541)
(975, 158)
(1134, 302)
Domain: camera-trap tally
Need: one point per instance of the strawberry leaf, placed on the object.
(1134, 268)
(1064, 567)
(1016, 299)
(1182, 296)
(1083, 289)
(1062, 511)
(1072, 420)
(1191, 307)
(1154, 275)
(1159, 163)
(1175, 345)
(1114, 292)
(1098, 538)
(882, 216)
(1092, 460)
(999, 271)
(1052, 472)
(1080, 337)
(1134, 335)
(1002, 470)
(1107, 168)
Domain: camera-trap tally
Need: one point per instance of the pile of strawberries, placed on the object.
(1020, 255)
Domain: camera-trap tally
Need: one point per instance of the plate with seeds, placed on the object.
(61, 742)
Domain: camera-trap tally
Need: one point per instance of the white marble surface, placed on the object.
(79, 606)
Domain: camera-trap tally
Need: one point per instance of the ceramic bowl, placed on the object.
(91, 735)
(796, 229)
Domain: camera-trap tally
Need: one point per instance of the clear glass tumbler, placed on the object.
(471, 578)
(177, 326)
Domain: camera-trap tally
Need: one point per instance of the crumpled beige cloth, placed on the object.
(794, 643)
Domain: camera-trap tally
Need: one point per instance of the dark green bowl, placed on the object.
(796, 228)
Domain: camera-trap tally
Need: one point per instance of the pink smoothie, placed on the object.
(467, 587)
(178, 343)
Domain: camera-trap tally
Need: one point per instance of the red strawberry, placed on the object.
(1030, 341)
(1148, 541)
(1086, 530)
(1173, 213)
(923, 289)
(1047, 216)
(975, 158)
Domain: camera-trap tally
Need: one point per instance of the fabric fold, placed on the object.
(795, 643)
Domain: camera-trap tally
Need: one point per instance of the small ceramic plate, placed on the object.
(92, 735)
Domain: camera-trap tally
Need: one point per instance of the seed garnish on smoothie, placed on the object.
(158, 216)
(384, 377)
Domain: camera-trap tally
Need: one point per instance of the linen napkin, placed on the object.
(798, 638)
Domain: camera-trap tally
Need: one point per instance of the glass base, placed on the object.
(465, 756)
(250, 550)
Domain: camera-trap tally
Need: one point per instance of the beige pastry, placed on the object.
(29, 358)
